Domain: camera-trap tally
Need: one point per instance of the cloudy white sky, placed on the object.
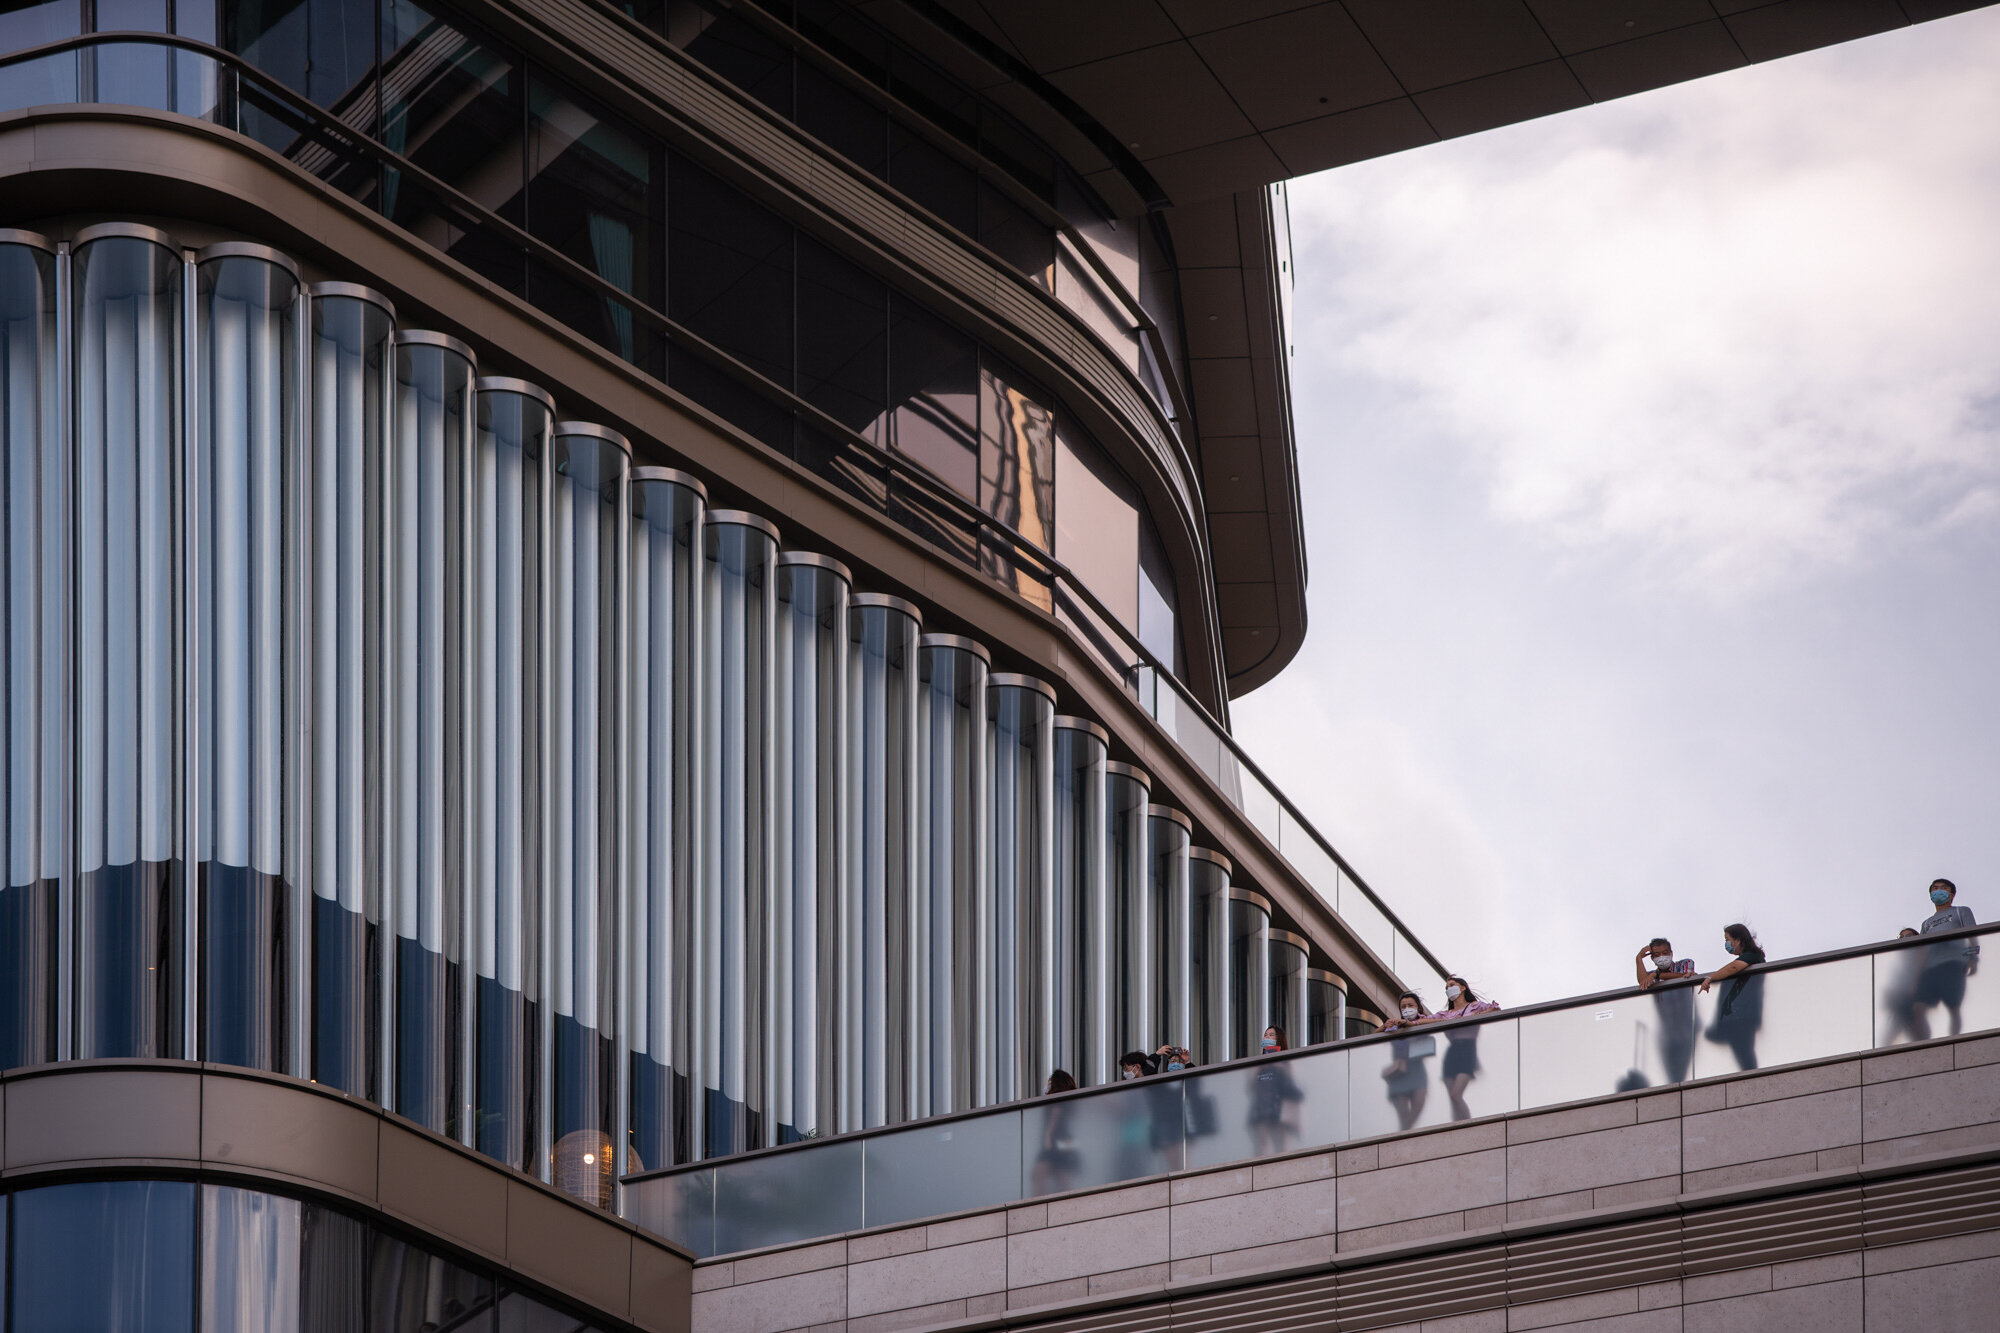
(1651, 465)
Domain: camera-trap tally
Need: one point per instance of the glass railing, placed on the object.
(1573, 1050)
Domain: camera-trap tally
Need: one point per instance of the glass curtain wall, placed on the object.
(34, 664)
(507, 507)
(811, 923)
(245, 760)
(954, 874)
(1130, 959)
(1169, 868)
(1077, 961)
(883, 950)
(1249, 986)
(430, 476)
(1326, 1006)
(352, 398)
(665, 631)
(739, 683)
(1208, 955)
(1287, 1007)
(1017, 1027)
(130, 924)
(586, 553)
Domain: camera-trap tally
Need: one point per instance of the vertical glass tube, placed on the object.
(955, 885)
(1129, 954)
(506, 505)
(34, 606)
(1017, 1026)
(352, 398)
(663, 792)
(1287, 1007)
(1208, 955)
(809, 922)
(245, 514)
(428, 626)
(1326, 1006)
(1249, 971)
(586, 552)
(740, 611)
(879, 1000)
(1077, 964)
(129, 907)
(1171, 834)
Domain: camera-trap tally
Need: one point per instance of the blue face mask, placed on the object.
(1940, 896)
(1172, 1065)
(1732, 946)
(1269, 1045)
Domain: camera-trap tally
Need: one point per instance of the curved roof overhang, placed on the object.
(1192, 108)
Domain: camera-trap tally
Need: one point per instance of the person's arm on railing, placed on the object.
(1728, 969)
(1646, 974)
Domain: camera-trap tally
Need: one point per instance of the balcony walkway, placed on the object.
(1851, 1190)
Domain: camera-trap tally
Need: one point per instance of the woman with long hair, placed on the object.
(1741, 1012)
(1461, 1053)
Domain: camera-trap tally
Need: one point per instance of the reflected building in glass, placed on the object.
(626, 586)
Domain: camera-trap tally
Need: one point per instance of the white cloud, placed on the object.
(1741, 330)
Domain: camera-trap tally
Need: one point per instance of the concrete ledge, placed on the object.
(216, 1122)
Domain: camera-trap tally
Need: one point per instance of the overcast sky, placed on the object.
(1650, 457)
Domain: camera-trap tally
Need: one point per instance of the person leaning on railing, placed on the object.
(1946, 964)
(1741, 1012)
(1461, 1053)
(1656, 964)
(1407, 1076)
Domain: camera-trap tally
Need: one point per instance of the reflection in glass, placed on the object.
(352, 397)
(411, 1290)
(1131, 960)
(1619, 1044)
(249, 1261)
(1173, 1017)
(733, 963)
(1273, 1106)
(927, 1170)
(1781, 1017)
(1017, 466)
(843, 339)
(775, 1200)
(680, 1207)
(1933, 988)
(595, 193)
(34, 531)
(246, 552)
(333, 1265)
(1209, 955)
(1097, 526)
(881, 959)
(934, 395)
(1078, 958)
(113, 1256)
(1394, 1083)
(809, 898)
(1287, 1007)
(666, 574)
(1249, 971)
(1017, 1024)
(504, 762)
(1326, 1006)
(586, 554)
(954, 876)
(129, 925)
(429, 643)
(1118, 1134)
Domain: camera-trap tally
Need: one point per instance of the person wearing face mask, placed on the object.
(1172, 1059)
(1741, 1012)
(1658, 970)
(1461, 1051)
(1946, 964)
(1407, 1076)
(1274, 1100)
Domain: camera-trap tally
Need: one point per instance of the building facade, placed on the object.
(602, 588)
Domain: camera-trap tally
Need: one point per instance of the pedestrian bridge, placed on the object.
(1850, 1180)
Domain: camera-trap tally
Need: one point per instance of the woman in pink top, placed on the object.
(1461, 1056)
